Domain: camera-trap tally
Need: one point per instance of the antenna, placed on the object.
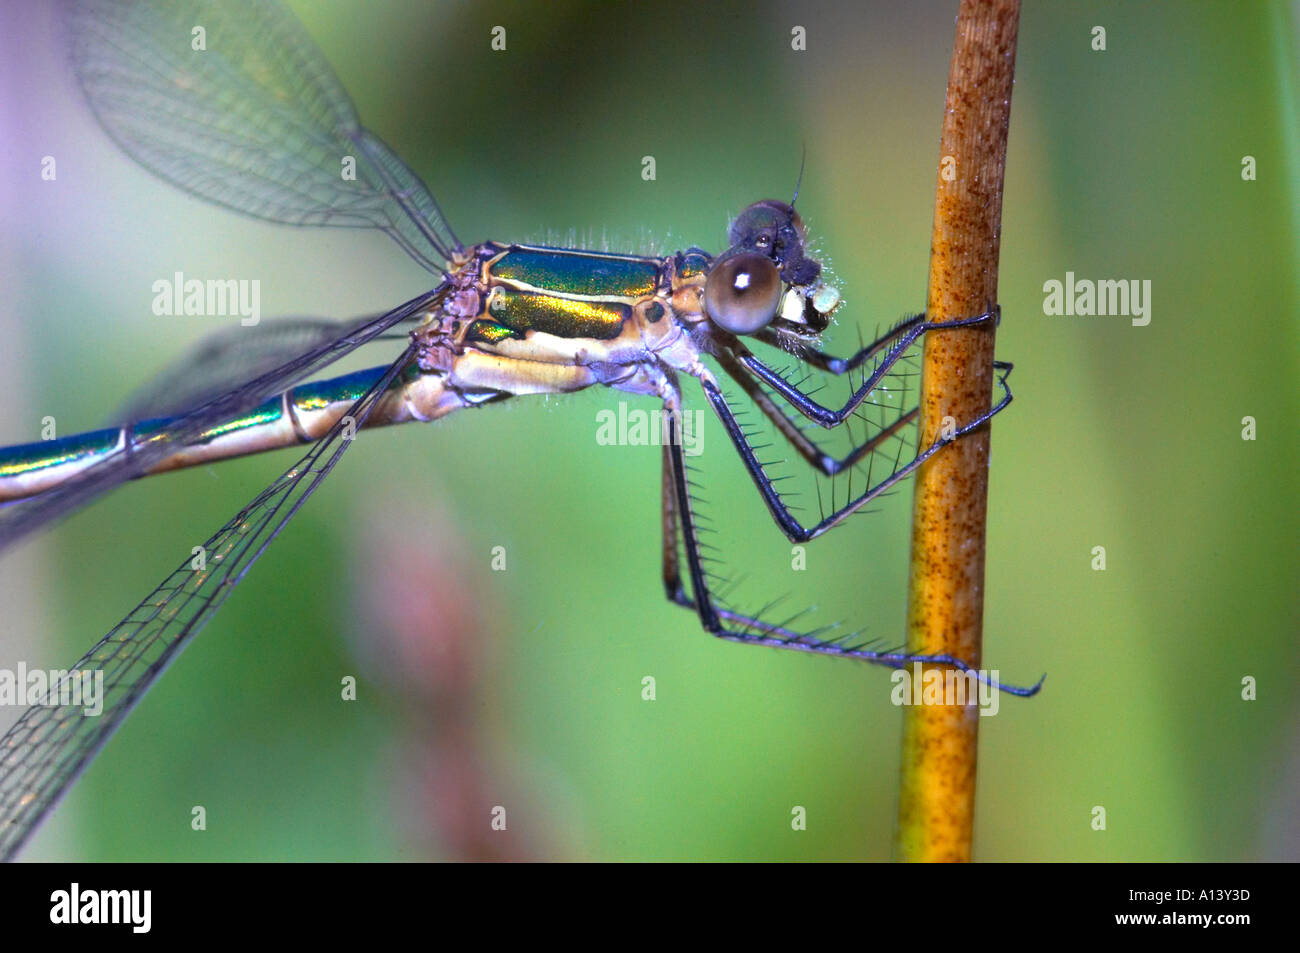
(799, 181)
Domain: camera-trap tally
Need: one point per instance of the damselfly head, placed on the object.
(774, 229)
(743, 293)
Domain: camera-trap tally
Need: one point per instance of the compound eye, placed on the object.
(743, 293)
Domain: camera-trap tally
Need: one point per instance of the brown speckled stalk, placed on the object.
(946, 599)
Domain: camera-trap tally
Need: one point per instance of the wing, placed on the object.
(233, 354)
(232, 102)
(51, 744)
(20, 518)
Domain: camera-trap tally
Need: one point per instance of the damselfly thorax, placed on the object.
(523, 319)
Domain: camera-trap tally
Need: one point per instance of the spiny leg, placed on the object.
(772, 497)
(671, 564)
(906, 327)
(679, 518)
(818, 458)
(903, 337)
(751, 630)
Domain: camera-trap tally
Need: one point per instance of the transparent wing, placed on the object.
(20, 518)
(233, 354)
(232, 102)
(52, 743)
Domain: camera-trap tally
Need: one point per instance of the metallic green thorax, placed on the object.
(513, 312)
(576, 273)
(568, 294)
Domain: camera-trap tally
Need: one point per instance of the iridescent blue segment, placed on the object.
(268, 412)
(349, 388)
(32, 457)
(87, 447)
(579, 273)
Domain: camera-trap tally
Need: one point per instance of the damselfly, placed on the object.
(256, 121)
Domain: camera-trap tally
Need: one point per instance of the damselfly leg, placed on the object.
(897, 341)
(892, 345)
(679, 520)
(679, 525)
(819, 459)
(789, 524)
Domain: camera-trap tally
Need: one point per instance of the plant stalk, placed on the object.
(946, 594)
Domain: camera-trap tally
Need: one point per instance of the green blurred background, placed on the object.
(523, 688)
